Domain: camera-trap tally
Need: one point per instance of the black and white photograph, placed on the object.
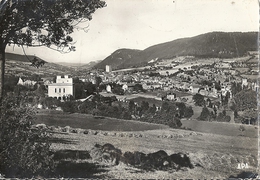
(129, 89)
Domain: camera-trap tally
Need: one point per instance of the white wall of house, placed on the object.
(26, 83)
(62, 88)
(108, 68)
(109, 89)
(125, 87)
(20, 81)
(66, 79)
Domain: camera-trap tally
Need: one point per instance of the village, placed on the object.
(105, 89)
(213, 100)
(175, 80)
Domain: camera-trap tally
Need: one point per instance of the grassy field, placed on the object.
(86, 121)
(218, 155)
(196, 112)
(221, 128)
(216, 147)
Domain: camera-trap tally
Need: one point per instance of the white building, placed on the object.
(108, 68)
(62, 89)
(109, 89)
(26, 83)
(244, 83)
(125, 87)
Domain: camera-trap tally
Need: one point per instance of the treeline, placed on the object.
(243, 104)
(10, 84)
(169, 113)
(207, 115)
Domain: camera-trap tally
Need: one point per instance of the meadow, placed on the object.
(87, 121)
(215, 148)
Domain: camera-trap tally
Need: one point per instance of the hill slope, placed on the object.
(79, 65)
(20, 65)
(121, 58)
(214, 44)
(19, 57)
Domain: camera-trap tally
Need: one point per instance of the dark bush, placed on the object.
(69, 106)
(71, 154)
(205, 114)
(156, 160)
(24, 151)
(182, 160)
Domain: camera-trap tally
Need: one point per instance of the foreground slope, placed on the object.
(215, 153)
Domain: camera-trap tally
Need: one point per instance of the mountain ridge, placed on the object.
(20, 57)
(208, 45)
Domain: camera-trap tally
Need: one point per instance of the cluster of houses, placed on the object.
(62, 89)
(189, 80)
(28, 83)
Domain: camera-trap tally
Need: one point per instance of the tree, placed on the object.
(188, 112)
(35, 77)
(10, 83)
(117, 89)
(24, 150)
(69, 106)
(144, 105)
(184, 111)
(79, 88)
(198, 99)
(181, 107)
(244, 100)
(131, 106)
(98, 82)
(168, 115)
(223, 117)
(215, 110)
(217, 86)
(236, 88)
(205, 114)
(242, 129)
(152, 109)
(34, 23)
(235, 114)
(224, 112)
(87, 107)
(50, 102)
(89, 88)
(138, 88)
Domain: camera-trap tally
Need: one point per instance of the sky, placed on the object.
(138, 24)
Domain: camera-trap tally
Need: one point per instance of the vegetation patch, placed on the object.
(85, 121)
(221, 128)
(159, 160)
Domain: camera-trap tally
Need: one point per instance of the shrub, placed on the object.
(24, 151)
(69, 106)
(244, 100)
(205, 114)
(198, 99)
(222, 117)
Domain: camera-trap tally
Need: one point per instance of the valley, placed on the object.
(196, 106)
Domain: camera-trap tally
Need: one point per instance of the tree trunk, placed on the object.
(2, 71)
